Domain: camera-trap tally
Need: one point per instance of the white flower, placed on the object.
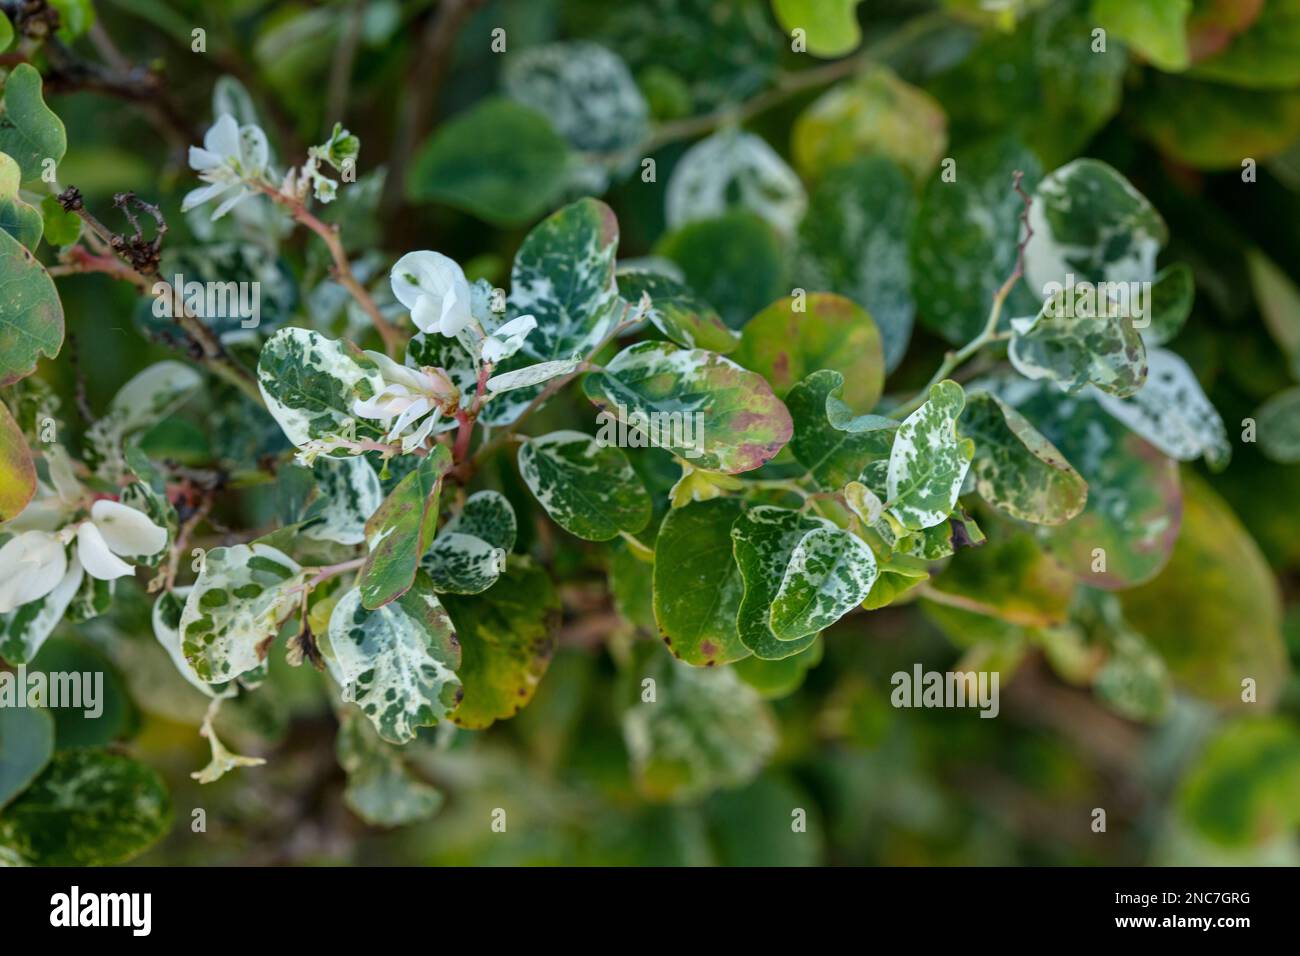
(231, 155)
(435, 289)
(116, 529)
(31, 566)
(508, 339)
(411, 394)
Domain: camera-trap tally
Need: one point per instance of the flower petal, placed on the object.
(31, 566)
(197, 197)
(125, 530)
(96, 558)
(223, 138)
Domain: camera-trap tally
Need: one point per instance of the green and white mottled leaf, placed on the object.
(349, 493)
(401, 531)
(397, 663)
(30, 132)
(166, 620)
(1278, 426)
(830, 573)
(697, 583)
(462, 563)
(310, 382)
(487, 515)
(149, 397)
(677, 312)
(743, 424)
(704, 730)
(793, 337)
(1172, 413)
(26, 744)
(380, 788)
(829, 440)
(507, 639)
(529, 376)
(435, 350)
(24, 629)
(762, 540)
(563, 276)
(965, 240)
(241, 596)
(88, 808)
(854, 241)
(929, 460)
(732, 168)
(1106, 352)
(588, 489)
(1016, 469)
(1090, 223)
(31, 315)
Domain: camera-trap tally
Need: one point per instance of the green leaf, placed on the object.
(26, 741)
(830, 27)
(678, 313)
(929, 460)
(588, 489)
(874, 113)
(499, 160)
(17, 470)
(235, 608)
(796, 336)
(563, 276)
(1279, 304)
(1172, 413)
(1016, 469)
(1214, 613)
(17, 218)
(703, 729)
(966, 236)
(1155, 28)
(737, 424)
(401, 531)
(734, 261)
(397, 663)
(854, 241)
(6, 32)
(349, 493)
(507, 638)
(763, 540)
(1010, 579)
(828, 440)
(1266, 55)
(310, 383)
(89, 808)
(1090, 225)
(103, 713)
(584, 89)
(75, 18)
(380, 789)
(1244, 788)
(697, 584)
(830, 573)
(1278, 425)
(29, 130)
(1172, 293)
(776, 679)
(31, 315)
(1078, 350)
(1127, 529)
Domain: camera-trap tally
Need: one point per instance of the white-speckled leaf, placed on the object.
(589, 490)
(309, 383)
(462, 563)
(734, 168)
(488, 515)
(380, 789)
(1172, 413)
(150, 396)
(929, 460)
(762, 540)
(397, 663)
(1106, 352)
(242, 595)
(349, 494)
(530, 375)
(166, 620)
(829, 574)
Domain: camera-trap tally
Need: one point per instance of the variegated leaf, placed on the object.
(589, 490)
(734, 168)
(678, 312)
(380, 789)
(1016, 469)
(235, 609)
(462, 563)
(530, 375)
(166, 621)
(150, 396)
(349, 493)
(829, 440)
(929, 460)
(488, 515)
(763, 539)
(1172, 413)
(1073, 351)
(830, 572)
(738, 423)
(397, 663)
(24, 629)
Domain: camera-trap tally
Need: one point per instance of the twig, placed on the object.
(341, 69)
